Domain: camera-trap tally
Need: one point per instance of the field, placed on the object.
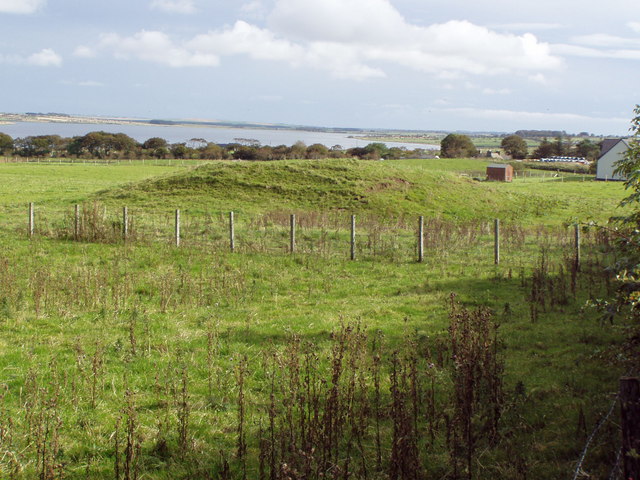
(480, 141)
(135, 358)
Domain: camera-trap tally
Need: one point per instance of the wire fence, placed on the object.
(325, 234)
(579, 472)
(167, 162)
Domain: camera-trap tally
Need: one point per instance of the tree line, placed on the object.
(104, 145)
(457, 145)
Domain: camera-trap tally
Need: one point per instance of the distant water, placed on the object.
(179, 134)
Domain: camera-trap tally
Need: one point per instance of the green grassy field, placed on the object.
(139, 359)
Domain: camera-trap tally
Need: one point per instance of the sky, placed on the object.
(482, 65)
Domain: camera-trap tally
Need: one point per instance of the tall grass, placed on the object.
(140, 360)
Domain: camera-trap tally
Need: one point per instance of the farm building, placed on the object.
(500, 172)
(613, 149)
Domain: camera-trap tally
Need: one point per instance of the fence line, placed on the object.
(399, 238)
(167, 162)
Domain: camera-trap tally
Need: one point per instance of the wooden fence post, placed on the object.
(577, 244)
(421, 239)
(292, 234)
(177, 230)
(353, 237)
(630, 412)
(496, 241)
(76, 225)
(232, 241)
(125, 223)
(31, 220)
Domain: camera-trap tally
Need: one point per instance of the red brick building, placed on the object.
(500, 172)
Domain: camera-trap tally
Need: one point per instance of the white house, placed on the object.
(613, 150)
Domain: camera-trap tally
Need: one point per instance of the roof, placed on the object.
(609, 143)
(499, 165)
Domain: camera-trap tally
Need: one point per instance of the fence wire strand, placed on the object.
(578, 471)
(615, 471)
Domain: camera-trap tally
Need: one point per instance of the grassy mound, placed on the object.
(356, 186)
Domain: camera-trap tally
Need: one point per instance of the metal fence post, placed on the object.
(292, 234)
(496, 241)
(76, 225)
(421, 239)
(177, 232)
(125, 223)
(31, 220)
(232, 242)
(353, 237)
(577, 242)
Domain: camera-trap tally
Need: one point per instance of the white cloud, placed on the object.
(498, 91)
(528, 27)
(342, 21)
(262, 44)
(375, 31)
(253, 8)
(90, 83)
(352, 39)
(155, 47)
(535, 118)
(601, 40)
(44, 58)
(635, 26)
(174, 6)
(247, 39)
(538, 78)
(601, 45)
(590, 52)
(21, 6)
(270, 98)
(84, 83)
(84, 52)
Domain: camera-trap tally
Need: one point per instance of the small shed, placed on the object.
(500, 172)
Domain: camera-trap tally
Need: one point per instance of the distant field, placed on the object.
(21, 183)
(433, 187)
(484, 142)
(194, 362)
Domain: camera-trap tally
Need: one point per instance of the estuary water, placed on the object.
(179, 134)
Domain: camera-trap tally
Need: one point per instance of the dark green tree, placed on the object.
(587, 149)
(395, 153)
(377, 150)
(6, 143)
(246, 152)
(627, 232)
(561, 147)
(180, 150)
(317, 151)
(154, 143)
(102, 144)
(280, 152)
(212, 151)
(545, 149)
(38, 146)
(456, 145)
(160, 152)
(515, 146)
(298, 150)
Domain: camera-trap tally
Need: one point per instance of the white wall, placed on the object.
(606, 162)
